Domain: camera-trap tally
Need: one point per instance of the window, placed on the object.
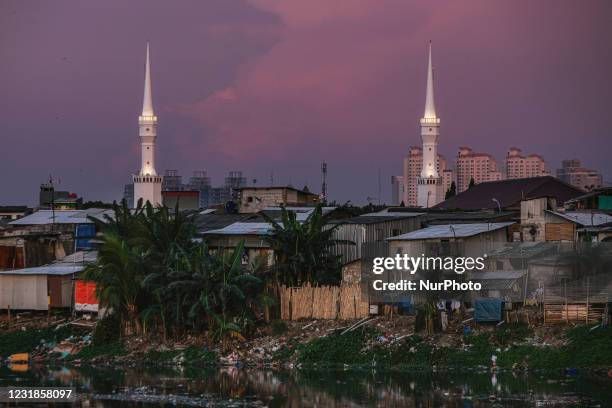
(249, 199)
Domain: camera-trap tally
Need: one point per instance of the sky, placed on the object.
(275, 87)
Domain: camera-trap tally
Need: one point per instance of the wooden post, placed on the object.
(587, 301)
(565, 295)
(544, 303)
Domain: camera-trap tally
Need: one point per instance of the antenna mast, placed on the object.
(324, 184)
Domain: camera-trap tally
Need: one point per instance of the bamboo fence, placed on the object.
(323, 302)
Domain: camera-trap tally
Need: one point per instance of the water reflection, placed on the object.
(316, 388)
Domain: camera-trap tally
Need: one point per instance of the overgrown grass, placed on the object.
(585, 349)
(24, 341)
(105, 350)
(191, 356)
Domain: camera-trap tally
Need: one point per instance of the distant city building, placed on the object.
(255, 199)
(234, 182)
(397, 190)
(199, 181)
(413, 164)
(571, 172)
(448, 176)
(186, 200)
(147, 183)
(128, 194)
(49, 197)
(519, 166)
(172, 181)
(480, 167)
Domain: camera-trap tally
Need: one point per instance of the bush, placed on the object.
(107, 330)
(93, 351)
(279, 327)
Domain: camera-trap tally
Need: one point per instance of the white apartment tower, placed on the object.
(430, 190)
(147, 183)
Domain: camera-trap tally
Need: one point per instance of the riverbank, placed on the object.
(384, 343)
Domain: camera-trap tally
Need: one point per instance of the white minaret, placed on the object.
(429, 185)
(147, 184)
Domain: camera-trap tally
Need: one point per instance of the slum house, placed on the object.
(508, 286)
(434, 216)
(453, 240)
(507, 195)
(13, 212)
(43, 287)
(46, 235)
(226, 231)
(542, 220)
(580, 226)
(584, 300)
(253, 234)
(255, 199)
(597, 199)
(367, 234)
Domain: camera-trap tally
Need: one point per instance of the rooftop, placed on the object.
(43, 217)
(510, 193)
(243, 228)
(71, 264)
(585, 219)
(451, 231)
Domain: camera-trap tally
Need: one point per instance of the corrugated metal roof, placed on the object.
(301, 213)
(498, 280)
(385, 213)
(450, 231)
(525, 249)
(43, 217)
(46, 270)
(72, 263)
(492, 275)
(587, 219)
(243, 228)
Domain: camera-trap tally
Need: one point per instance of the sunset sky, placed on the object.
(279, 86)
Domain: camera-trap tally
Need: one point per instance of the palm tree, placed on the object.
(302, 250)
(118, 274)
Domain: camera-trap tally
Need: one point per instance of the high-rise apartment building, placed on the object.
(480, 167)
(413, 164)
(519, 166)
(572, 173)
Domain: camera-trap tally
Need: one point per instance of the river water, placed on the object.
(317, 388)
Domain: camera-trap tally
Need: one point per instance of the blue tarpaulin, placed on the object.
(488, 310)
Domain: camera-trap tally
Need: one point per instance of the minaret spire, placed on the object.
(429, 184)
(430, 107)
(147, 184)
(147, 102)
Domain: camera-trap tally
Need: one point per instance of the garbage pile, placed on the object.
(54, 350)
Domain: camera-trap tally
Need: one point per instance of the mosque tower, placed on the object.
(147, 184)
(430, 190)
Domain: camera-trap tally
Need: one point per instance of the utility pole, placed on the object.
(379, 187)
(324, 184)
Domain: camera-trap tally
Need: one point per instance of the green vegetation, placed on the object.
(107, 330)
(192, 356)
(584, 349)
(303, 249)
(159, 281)
(24, 341)
(94, 351)
(279, 327)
